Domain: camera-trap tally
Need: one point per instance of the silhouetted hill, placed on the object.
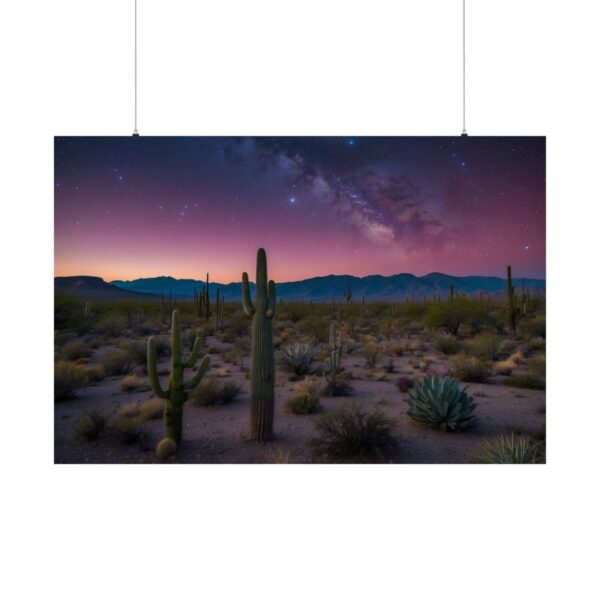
(373, 287)
(95, 288)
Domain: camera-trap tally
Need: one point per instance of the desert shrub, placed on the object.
(115, 362)
(448, 316)
(76, 350)
(89, 425)
(526, 381)
(211, 392)
(404, 383)
(537, 343)
(351, 434)
(448, 344)
(67, 378)
(137, 352)
(131, 410)
(484, 345)
(471, 368)
(398, 349)
(134, 383)
(537, 365)
(371, 354)
(126, 430)
(316, 327)
(439, 403)
(112, 325)
(95, 374)
(534, 328)
(166, 449)
(478, 317)
(510, 450)
(298, 357)
(152, 409)
(304, 399)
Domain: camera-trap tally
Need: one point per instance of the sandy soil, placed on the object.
(217, 435)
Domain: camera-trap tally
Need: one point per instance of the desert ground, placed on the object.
(105, 411)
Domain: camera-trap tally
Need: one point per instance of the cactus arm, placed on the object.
(152, 371)
(246, 300)
(195, 380)
(191, 361)
(272, 301)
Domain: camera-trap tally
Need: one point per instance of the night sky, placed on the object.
(140, 207)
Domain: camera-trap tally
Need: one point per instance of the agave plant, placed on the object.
(438, 402)
(298, 357)
(511, 450)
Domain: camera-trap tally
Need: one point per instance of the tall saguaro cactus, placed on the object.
(177, 392)
(262, 374)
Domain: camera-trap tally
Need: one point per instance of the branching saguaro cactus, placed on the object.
(262, 373)
(177, 392)
(510, 290)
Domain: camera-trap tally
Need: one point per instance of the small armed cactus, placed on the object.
(177, 392)
(262, 373)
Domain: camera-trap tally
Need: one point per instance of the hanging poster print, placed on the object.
(393, 311)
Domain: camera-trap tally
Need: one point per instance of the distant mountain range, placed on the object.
(319, 289)
(323, 289)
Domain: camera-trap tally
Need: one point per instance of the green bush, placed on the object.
(484, 345)
(510, 450)
(112, 325)
(448, 344)
(353, 435)
(439, 403)
(448, 316)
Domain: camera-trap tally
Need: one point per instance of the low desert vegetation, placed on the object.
(448, 344)
(89, 426)
(354, 435)
(115, 362)
(471, 369)
(305, 397)
(212, 392)
(298, 358)
(134, 383)
(516, 449)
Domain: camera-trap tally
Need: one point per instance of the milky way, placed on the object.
(139, 207)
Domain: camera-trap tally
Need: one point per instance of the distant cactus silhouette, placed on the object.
(177, 392)
(510, 290)
(262, 373)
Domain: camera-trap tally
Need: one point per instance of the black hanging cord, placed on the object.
(135, 69)
(464, 73)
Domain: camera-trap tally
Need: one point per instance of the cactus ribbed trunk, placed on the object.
(512, 324)
(262, 372)
(262, 404)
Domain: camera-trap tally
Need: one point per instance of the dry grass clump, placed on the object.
(211, 392)
(76, 350)
(471, 369)
(353, 435)
(371, 354)
(69, 376)
(505, 367)
(530, 382)
(305, 396)
(279, 456)
(152, 409)
(484, 345)
(126, 430)
(134, 383)
(115, 362)
(89, 426)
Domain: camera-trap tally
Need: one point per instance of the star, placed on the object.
(292, 200)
